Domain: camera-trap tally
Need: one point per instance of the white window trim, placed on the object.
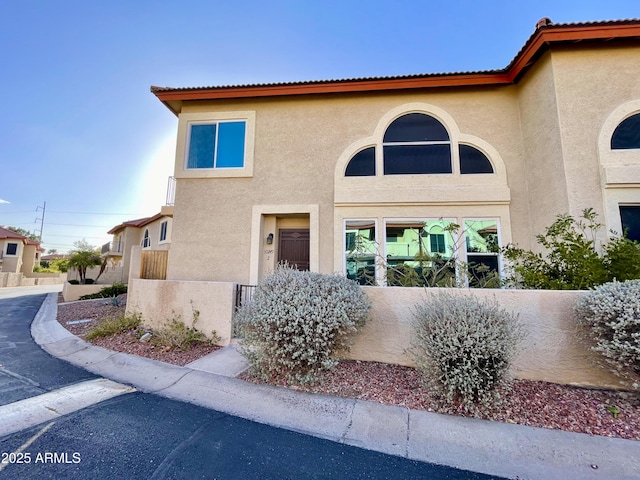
(182, 148)
(378, 266)
(146, 236)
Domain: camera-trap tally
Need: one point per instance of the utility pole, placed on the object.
(41, 219)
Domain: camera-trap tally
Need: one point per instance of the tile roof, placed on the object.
(140, 222)
(6, 233)
(545, 34)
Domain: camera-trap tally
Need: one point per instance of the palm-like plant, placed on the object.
(82, 260)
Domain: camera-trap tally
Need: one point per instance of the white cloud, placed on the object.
(3, 201)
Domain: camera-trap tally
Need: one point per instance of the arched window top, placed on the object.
(362, 164)
(627, 134)
(415, 127)
(473, 160)
(146, 241)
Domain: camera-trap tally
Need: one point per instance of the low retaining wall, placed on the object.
(9, 279)
(550, 350)
(71, 292)
(158, 301)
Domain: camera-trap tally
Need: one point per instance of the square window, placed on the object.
(12, 248)
(217, 145)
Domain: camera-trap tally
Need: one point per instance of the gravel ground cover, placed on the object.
(537, 404)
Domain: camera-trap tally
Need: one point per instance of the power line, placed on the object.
(97, 213)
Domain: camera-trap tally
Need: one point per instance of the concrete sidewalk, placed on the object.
(496, 448)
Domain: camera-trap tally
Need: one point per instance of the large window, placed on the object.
(12, 248)
(630, 217)
(216, 145)
(423, 252)
(418, 144)
(360, 251)
(481, 242)
(627, 134)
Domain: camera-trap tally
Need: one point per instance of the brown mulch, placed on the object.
(537, 404)
(98, 311)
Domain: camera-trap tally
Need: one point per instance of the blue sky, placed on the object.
(80, 130)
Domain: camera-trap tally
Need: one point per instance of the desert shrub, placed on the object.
(463, 348)
(114, 326)
(112, 291)
(175, 334)
(298, 322)
(610, 315)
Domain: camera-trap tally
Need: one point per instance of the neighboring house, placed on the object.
(310, 172)
(18, 254)
(150, 233)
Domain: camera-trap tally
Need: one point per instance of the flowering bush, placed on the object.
(297, 322)
(611, 315)
(464, 347)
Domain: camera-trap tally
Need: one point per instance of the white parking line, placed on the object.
(29, 412)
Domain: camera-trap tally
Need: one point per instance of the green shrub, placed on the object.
(297, 323)
(571, 260)
(463, 348)
(74, 282)
(89, 281)
(611, 317)
(114, 326)
(112, 291)
(176, 335)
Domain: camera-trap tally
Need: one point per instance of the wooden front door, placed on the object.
(293, 247)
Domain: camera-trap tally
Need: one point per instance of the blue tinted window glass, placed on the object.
(473, 160)
(230, 152)
(201, 146)
(415, 127)
(627, 134)
(416, 159)
(630, 216)
(363, 164)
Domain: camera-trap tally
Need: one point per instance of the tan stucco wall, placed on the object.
(159, 301)
(550, 350)
(71, 293)
(11, 263)
(298, 143)
(544, 131)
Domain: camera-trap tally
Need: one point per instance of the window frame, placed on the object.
(164, 228)
(146, 239)
(373, 221)
(14, 254)
(186, 120)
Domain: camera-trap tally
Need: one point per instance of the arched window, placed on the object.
(362, 164)
(416, 143)
(627, 134)
(473, 160)
(146, 241)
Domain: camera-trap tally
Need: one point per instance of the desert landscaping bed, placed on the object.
(537, 404)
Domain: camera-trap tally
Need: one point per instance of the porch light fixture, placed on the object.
(270, 239)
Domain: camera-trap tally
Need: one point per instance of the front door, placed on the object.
(293, 247)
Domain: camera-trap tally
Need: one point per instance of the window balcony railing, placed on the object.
(171, 191)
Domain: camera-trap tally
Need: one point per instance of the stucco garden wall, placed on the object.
(158, 301)
(550, 350)
(71, 293)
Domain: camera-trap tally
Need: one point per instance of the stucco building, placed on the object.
(309, 172)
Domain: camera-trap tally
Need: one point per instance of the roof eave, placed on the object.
(535, 46)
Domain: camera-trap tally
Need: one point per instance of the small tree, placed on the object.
(85, 256)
